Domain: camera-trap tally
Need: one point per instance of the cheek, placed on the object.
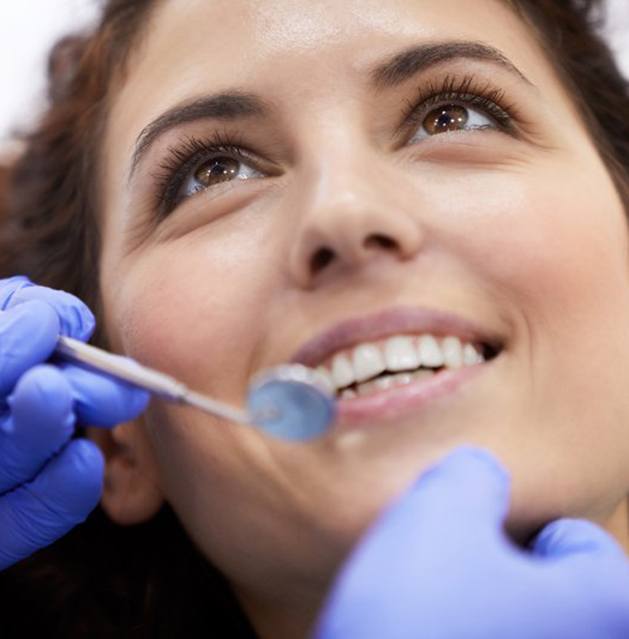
(552, 243)
(548, 243)
(558, 250)
(565, 260)
(191, 309)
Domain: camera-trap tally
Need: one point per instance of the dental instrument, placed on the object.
(289, 401)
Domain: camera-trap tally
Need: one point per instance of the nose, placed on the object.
(351, 215)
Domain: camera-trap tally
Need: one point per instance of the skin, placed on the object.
(524, 235)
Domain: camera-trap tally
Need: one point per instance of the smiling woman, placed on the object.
(374, 189)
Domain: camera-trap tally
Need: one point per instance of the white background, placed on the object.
(28, 29)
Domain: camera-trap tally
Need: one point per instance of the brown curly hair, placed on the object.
(149, 581)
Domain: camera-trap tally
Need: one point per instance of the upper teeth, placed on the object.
(397, 353)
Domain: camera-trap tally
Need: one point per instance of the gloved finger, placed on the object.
(60, 497)
(458, 503)
(450, 515)
(40, 423)
(28, 336)
(9, 286)
(569, 537)
(100, 400)
(464, 495)
(75, 318)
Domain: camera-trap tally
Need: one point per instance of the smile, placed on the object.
(407, 393)
(397, 361)
(388, 364)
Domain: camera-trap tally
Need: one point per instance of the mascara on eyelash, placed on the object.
(466, 89)
(175, 167)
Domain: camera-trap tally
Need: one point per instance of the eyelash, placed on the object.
(175, 168)
(466, 89)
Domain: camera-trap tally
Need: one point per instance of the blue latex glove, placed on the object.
(48, 482)
(437, 565)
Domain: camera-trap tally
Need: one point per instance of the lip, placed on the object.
(403, 400)
(399, 320)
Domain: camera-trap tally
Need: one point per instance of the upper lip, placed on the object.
(395, 321)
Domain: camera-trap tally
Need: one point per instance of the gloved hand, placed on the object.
(437, 565)
(48, 481)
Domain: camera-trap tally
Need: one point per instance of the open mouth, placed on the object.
(383, 365)
(394, 395)
(400, 360)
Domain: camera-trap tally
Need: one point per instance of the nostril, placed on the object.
(321, 259)
(380, 241)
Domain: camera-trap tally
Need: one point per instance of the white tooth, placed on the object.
(367, 361)
(452, 352)
(366, 388)
(471, 356)
(423, 373)
(387, 382)
(348, 393)
(384, 383)
(430, 353)
(342, 371)
(400, 354)
(402, 379)
(327, 378)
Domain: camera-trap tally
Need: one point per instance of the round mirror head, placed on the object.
(291, 402)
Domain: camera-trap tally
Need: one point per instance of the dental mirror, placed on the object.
(291, 402)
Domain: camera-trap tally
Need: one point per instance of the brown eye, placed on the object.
(450, 117)
(213, 167)
(220, 169)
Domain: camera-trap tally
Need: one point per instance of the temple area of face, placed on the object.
(238, 104)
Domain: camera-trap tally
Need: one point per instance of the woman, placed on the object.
(234, 185)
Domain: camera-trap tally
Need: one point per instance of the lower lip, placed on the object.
(399, 401)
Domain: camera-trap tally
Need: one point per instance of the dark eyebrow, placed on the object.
(233, 105)
(412, 61)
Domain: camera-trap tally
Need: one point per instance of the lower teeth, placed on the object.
(386, 382)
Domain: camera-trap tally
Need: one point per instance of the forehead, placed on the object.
(248, 38)
(293, 50)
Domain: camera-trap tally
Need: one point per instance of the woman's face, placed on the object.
(362, 160)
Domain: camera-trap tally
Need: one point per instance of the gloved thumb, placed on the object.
(450, 514)
(461, 500)
(567, 537)
(467, 490)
